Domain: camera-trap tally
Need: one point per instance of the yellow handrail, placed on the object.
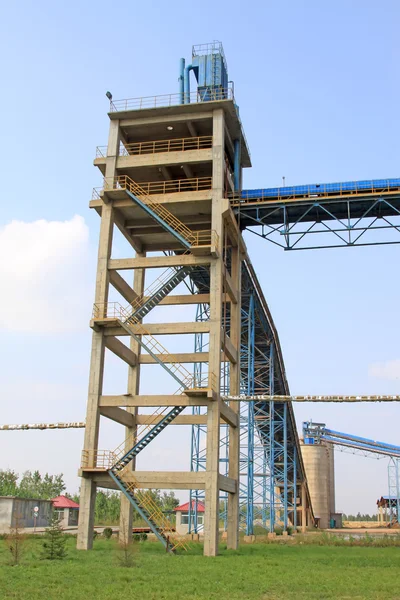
(171, 145)
(123, 182)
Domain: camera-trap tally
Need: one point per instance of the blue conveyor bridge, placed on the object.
(326, 215)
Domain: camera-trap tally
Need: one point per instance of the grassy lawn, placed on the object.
(260, 571)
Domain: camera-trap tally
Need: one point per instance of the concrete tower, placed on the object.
(167, 172)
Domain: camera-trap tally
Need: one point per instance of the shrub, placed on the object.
(143, 537)
(107, 532)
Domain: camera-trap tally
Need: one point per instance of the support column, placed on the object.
(303, 508)
(216, 283)
(88, 488)
(234, 432)
(126, 514)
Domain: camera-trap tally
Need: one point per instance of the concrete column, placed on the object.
(88, 488)
(126, 516)
(216, 284)
(234, 432)
(114, 138)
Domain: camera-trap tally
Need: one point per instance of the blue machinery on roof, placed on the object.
(315, 433)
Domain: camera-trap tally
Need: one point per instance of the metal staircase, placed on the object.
(119, 460)
(158, 290)
(142, 501)
(169, 222)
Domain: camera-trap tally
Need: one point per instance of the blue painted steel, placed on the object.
(394, 488)
(236, 171)
(319, 189)
(267, 422)
(181, 81)
(199, 432)
(318, 431)
(159, 220)
(271, 441)
(187, 83)
(132, 453)
(251, 421)
(285, 468)
(363, 446)
(147, 438)
(140, 511)
(163, 291)
(361, 439)
(294, 504)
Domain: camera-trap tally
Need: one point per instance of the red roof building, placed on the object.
(185, 507)
(64, 502)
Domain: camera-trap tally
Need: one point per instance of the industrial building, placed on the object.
(172, 186)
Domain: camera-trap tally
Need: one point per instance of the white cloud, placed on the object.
(44, 276)
(387, 370)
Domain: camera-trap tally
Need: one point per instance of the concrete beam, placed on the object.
(159, 328)
(179, 420)
(229, 349)
(122, 287)
(229, 416)
(120, 350)
(180, 480)
(154, 120)
(230, 288)
(163, 159)
(118, 415)
(184, 357)
(156, 262)
(226, 484)
(154, 400)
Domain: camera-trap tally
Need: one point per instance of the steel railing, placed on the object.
(172, 145)
(157, 146)
(208, 95)
(313, 192)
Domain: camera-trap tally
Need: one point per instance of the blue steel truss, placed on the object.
(270, 467)
(330, 215)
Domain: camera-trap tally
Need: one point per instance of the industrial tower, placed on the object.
(171, 168)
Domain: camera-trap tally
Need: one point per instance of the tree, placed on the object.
(33, 485)
(169, 501)
(107, 508)
(8, 483)
(15, 540)
(54, 543)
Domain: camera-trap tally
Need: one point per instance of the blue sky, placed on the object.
(317, 84)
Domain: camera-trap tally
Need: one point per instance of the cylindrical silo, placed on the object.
(319, 466)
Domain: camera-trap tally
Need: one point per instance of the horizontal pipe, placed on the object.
(338, 398)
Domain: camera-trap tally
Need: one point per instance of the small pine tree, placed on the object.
(54, 543)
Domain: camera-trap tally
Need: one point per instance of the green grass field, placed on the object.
(260, 571)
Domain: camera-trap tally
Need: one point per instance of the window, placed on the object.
(185, 519)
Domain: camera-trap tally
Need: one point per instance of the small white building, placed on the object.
(67, 511)
(182, 516)
(22, 511)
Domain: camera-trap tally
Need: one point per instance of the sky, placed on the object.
(317, 84)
